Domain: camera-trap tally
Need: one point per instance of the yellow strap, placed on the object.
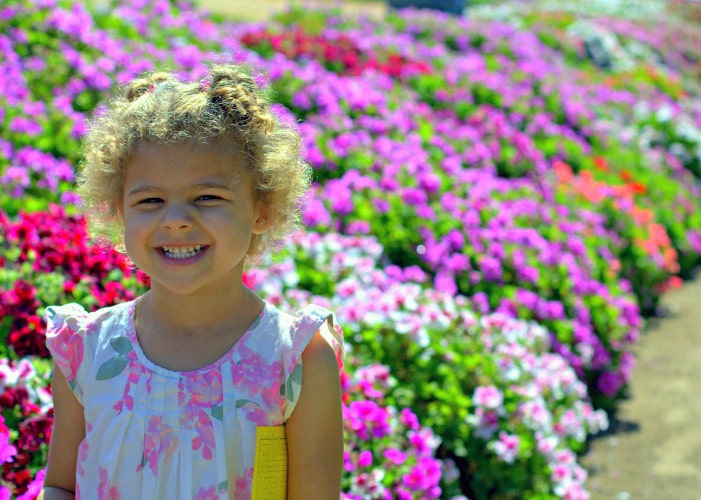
(270, 466)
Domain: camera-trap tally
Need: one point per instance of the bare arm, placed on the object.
(315, 428)
(67, 434)
(51, 493)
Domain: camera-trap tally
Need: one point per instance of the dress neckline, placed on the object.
(156, 368)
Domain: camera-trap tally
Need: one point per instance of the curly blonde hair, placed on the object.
(227, 110)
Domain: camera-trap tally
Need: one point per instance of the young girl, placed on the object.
(162, 397)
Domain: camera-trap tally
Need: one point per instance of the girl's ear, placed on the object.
(263, 220)
(119, 211)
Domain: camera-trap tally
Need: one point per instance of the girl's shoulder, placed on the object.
(73, 334)
(296, 330)
(73, 319)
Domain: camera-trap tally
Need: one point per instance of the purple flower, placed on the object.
(529, 274)
(491, 269)
(429, 182)
(445, 282)
(413, 196)
(609, 383)
(315, 213)
(23, 125)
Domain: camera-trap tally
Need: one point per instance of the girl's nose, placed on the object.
(176, 217)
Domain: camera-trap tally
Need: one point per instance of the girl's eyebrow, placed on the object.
(141, 189)
(213, 185)
(147, 188)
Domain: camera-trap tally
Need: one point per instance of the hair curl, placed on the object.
(227, 110)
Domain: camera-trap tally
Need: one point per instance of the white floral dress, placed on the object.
(156, 433)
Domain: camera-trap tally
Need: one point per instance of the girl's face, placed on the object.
(188, 214)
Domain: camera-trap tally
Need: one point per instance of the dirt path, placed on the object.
(653, 450)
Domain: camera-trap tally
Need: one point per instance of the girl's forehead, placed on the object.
(165, 162)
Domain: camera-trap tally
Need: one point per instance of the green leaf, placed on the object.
(297, 374)
(218, 412)
(121, 345)
(242, 402)
(290, 390)
(112, 367)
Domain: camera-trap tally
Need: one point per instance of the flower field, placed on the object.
(499, 203)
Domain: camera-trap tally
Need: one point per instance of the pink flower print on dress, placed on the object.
(264, 408)
(135, 370)
(207, 389)
(201, 391)
(249, 371)
(272, 401)
(82, 457)
(68, 353)
(244, 485)
(105, 490)
(207, 493)
(205, 435)
(256, 414)
(200, 396)
(160, 442)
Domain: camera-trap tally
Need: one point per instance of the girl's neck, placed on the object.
(199, 315)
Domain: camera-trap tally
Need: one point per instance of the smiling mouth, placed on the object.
(183, 252)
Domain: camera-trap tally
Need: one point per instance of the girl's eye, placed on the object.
(208, 197)
(150, 201)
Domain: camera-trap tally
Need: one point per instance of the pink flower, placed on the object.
(561, 473)
(424, 441)
(507, 447)
(348, 464)
(397, 457)
(409, 419)
(425, 477)
(488, 397)
(7, 451)
(34, 487)
(546, 445)
(367, 419)
(365, 459)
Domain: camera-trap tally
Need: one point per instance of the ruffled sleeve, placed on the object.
(66, 329)
(309, 320)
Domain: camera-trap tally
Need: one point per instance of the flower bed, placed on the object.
(486, 384)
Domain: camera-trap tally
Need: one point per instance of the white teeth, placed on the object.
(182, 252)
